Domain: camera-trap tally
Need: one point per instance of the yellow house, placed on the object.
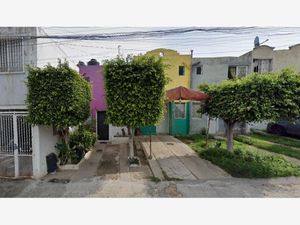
(178, 70)
(179, 67)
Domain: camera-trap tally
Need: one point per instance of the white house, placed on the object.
(23, 148)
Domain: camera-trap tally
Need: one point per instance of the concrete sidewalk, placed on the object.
(174, 160)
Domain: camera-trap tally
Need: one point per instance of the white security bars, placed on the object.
(11, 55)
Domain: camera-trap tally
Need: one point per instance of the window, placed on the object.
(199, 70)
(195, 107)
(11, 55)
(179, 110)
(237, 71)
(262, 65)
(181, 71)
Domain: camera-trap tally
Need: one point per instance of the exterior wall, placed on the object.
(43, 144)
(95, 74)
(214, 70)
(163, 127)
(280, 60)
(116, 131)
(173, 59)
(12, 85)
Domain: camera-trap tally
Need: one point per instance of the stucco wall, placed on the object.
(12, 85)
(163, 127)
(95, 75)
(173, 60)
(43, 144)
(214, 70)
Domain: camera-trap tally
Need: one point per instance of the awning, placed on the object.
(183, 93)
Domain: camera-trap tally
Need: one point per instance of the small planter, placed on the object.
(75, 166)
(134, 161)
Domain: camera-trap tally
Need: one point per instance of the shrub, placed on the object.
(82, 138)
(65, 153)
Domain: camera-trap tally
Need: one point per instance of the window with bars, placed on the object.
(11, 55)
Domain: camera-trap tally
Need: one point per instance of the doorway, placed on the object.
(179, 114)
(102, 128)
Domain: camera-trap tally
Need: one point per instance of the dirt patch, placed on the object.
(109, 164)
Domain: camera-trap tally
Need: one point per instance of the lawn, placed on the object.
(245, 161)
(276, 139)
(264, 142)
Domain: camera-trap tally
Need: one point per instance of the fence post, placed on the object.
(16, 145)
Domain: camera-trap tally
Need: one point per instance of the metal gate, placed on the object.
(15, 145)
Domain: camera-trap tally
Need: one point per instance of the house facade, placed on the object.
(178, 71)
(23, 148)
(261, 59)
(93, 72)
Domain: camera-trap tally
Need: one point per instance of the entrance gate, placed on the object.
(15, 145)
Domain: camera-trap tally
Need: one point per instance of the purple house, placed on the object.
(93, 72)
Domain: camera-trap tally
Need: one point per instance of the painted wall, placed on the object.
(214, 70)
(12, 85)
(94, 73)
(173, 59)
(43, 144)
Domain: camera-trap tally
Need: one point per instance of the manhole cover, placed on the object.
(169, 143)
(61, 181)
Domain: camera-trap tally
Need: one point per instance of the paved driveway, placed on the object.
(174, 160)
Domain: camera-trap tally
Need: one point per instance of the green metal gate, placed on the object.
(179, 114)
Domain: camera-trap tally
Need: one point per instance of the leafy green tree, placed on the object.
(254, 98)
(135, 90)
(57, 96)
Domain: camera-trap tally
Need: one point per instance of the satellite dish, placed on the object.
(256, 41)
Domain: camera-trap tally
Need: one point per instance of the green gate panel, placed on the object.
(147, 130)
(179, 126)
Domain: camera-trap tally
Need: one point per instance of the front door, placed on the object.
(179, 114)
(102, 128)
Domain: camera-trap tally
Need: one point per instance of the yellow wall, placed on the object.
(173, 60)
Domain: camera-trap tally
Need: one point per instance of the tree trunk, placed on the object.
(64, 135)
(229, 134)
(131, 137)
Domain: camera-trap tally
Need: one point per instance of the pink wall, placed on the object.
(95, 75)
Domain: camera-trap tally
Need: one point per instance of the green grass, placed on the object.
(277, 139)
(269, 146)
(245, 161)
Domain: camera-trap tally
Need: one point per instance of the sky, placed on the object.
(204, 41)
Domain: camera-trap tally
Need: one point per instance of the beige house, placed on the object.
(261, 59)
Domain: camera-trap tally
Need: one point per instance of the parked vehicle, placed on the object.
(285, 127)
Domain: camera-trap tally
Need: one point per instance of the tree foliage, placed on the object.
(57, 96)
(135, 89)
(254, 98)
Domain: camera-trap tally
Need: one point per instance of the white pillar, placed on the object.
(36, 153)
(16, 145)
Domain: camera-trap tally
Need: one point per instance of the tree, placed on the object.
(57, 96)
(135, 90)
(254, 98)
